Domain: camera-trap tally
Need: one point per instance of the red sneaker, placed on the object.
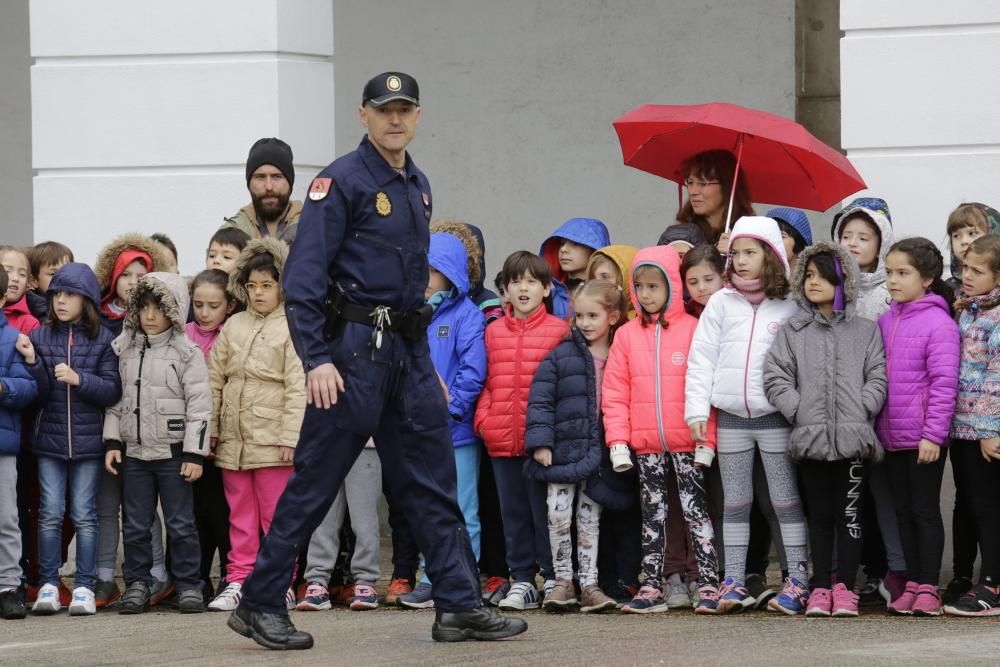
(496, 589)
(397, 587)
(344, 596)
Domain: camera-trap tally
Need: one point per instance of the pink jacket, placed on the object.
(643, 386)
(922, 350)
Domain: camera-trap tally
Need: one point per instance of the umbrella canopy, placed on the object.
(779, 160)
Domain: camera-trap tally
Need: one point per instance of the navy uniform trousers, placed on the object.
(396, 398)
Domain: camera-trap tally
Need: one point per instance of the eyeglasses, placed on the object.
(701, 185)
(263, 287)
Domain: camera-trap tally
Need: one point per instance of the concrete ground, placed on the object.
(397, 637)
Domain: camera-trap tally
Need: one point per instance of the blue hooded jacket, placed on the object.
(456, 338)
(589, 232)
(70, 424)
(19, 389)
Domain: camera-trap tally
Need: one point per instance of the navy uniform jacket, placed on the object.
(377, 254)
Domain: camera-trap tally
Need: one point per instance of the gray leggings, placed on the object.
(109, 530)
(736, 463)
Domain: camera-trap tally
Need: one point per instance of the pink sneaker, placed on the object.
(845, 602)
(819, 602)
(903, 605)
(928, 601)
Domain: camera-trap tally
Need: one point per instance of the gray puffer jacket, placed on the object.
(827, 376)
(166, 400)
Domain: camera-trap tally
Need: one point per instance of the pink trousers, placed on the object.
(252, 496)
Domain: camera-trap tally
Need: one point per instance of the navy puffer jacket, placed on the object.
(18, 389)
(70, 423)
(563, 415)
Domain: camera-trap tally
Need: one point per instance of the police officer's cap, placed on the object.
(390, 86)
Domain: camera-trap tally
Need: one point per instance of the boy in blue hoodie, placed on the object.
(458, 351)
(567, 252)
(17, 390)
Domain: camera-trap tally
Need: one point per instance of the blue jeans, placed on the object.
(83, 477)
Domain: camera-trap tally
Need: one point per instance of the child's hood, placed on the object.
(621, 255)
(589, 232)
(668, 262)
(267, 245)
(794, 217)
(764, 230)
(447, 254)
(878, 211)
(170, 290)
(106, 268)
(992, 226)
(848, 267)
(76, 278)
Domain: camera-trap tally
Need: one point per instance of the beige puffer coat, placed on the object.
(166, 398)
(258, 385)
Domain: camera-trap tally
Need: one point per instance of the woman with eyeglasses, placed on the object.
(708, 178)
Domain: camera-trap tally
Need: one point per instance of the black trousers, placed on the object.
(916, 490)
(980, 483)
(835, 493)
(964, 520)
(211, 516)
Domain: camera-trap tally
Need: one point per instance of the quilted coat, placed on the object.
(644, 381)
(70, 420)
(977, 411)
(827, 376)
(19, 389)
(514, 348)
(258, 384)
(166, 399)
(726, 366)
(563, 414)
(922, 350)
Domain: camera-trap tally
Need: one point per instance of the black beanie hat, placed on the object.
(274, 151)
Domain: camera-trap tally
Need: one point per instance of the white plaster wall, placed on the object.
(919, 99)
(143, 112)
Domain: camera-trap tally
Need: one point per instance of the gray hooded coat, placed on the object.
(827, 376)
(873, 296)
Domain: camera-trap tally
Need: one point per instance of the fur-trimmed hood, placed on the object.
(105, 264)
(264, 246)
(171, 291)
(473, 253)
(848, 266)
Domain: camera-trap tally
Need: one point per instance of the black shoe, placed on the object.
(11, 606)
(957, 588)
(482, 623)
(135, 600)
(759, 590)
(869, 595)
(980, 601)
(273, 631)
(191, 601)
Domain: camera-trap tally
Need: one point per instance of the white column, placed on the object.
(143, 112)
(919, 100)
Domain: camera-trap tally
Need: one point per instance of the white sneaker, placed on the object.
(522, 596)
(228, 599)
(83, 602)
(694, 593)
(47, 601)
(290, 599)
(677, 593)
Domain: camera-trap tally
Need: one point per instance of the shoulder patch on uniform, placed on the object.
(444, 331)
(320, 188)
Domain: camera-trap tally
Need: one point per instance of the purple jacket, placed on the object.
(922, 351)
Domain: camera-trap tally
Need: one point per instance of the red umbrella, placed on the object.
(781, 162)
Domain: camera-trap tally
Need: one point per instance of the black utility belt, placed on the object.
(412, 325)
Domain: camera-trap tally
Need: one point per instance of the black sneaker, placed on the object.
(759, 590)
(484, 624)
(980, 601)
(11, 606)
(191, 601)
(135, 600)
(869, 595)
(956, 590)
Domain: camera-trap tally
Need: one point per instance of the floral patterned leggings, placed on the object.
(653, 470)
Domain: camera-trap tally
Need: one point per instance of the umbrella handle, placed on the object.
(732, 190)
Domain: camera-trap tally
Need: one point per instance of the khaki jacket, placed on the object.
(246, 220)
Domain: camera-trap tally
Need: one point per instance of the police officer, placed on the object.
(354, 299)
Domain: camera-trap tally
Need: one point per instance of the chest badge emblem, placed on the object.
(382, 204)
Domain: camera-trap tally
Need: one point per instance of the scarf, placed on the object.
(978, 303)
(753, 290)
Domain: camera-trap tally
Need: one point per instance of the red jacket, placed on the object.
(514, 348)
(19, 317)
(643, 390)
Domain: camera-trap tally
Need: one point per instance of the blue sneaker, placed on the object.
(792, 599)
(708, 600)
(734, 597)
(420, 598)
(365, 597)
(649, 600)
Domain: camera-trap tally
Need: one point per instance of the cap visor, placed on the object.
(379, 101)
